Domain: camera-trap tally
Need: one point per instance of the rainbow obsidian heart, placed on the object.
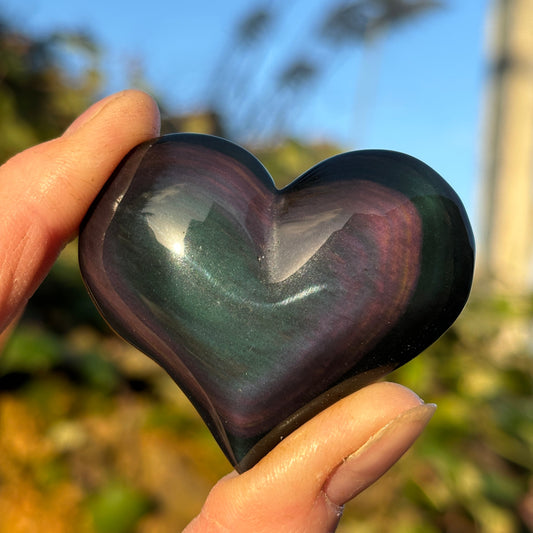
(267, 305)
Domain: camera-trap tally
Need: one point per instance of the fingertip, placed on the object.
(76, 165)
(140, 107)
(377, 455)
(138, 104)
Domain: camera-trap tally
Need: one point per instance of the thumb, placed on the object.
(303, 483)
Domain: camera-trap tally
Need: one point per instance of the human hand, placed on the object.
(302, 484)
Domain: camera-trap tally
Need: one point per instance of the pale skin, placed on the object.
(303, 483)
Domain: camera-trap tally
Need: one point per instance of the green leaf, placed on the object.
(117, 508)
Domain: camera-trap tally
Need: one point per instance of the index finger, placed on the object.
(46, 190)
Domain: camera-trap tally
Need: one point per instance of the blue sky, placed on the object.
(427, 97)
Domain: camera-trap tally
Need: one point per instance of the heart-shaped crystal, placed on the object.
(267, 305)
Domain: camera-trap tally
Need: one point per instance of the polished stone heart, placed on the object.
(267, 305)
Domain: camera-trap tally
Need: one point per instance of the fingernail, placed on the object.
(377, 455)
(91, 112)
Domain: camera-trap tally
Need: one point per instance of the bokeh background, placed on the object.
(94, 437)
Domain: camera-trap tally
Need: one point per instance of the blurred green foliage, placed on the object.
(94, 434)
(117, 507)
(39, 97)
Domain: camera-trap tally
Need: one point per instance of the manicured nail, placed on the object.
(91, 112)
(377, 455)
